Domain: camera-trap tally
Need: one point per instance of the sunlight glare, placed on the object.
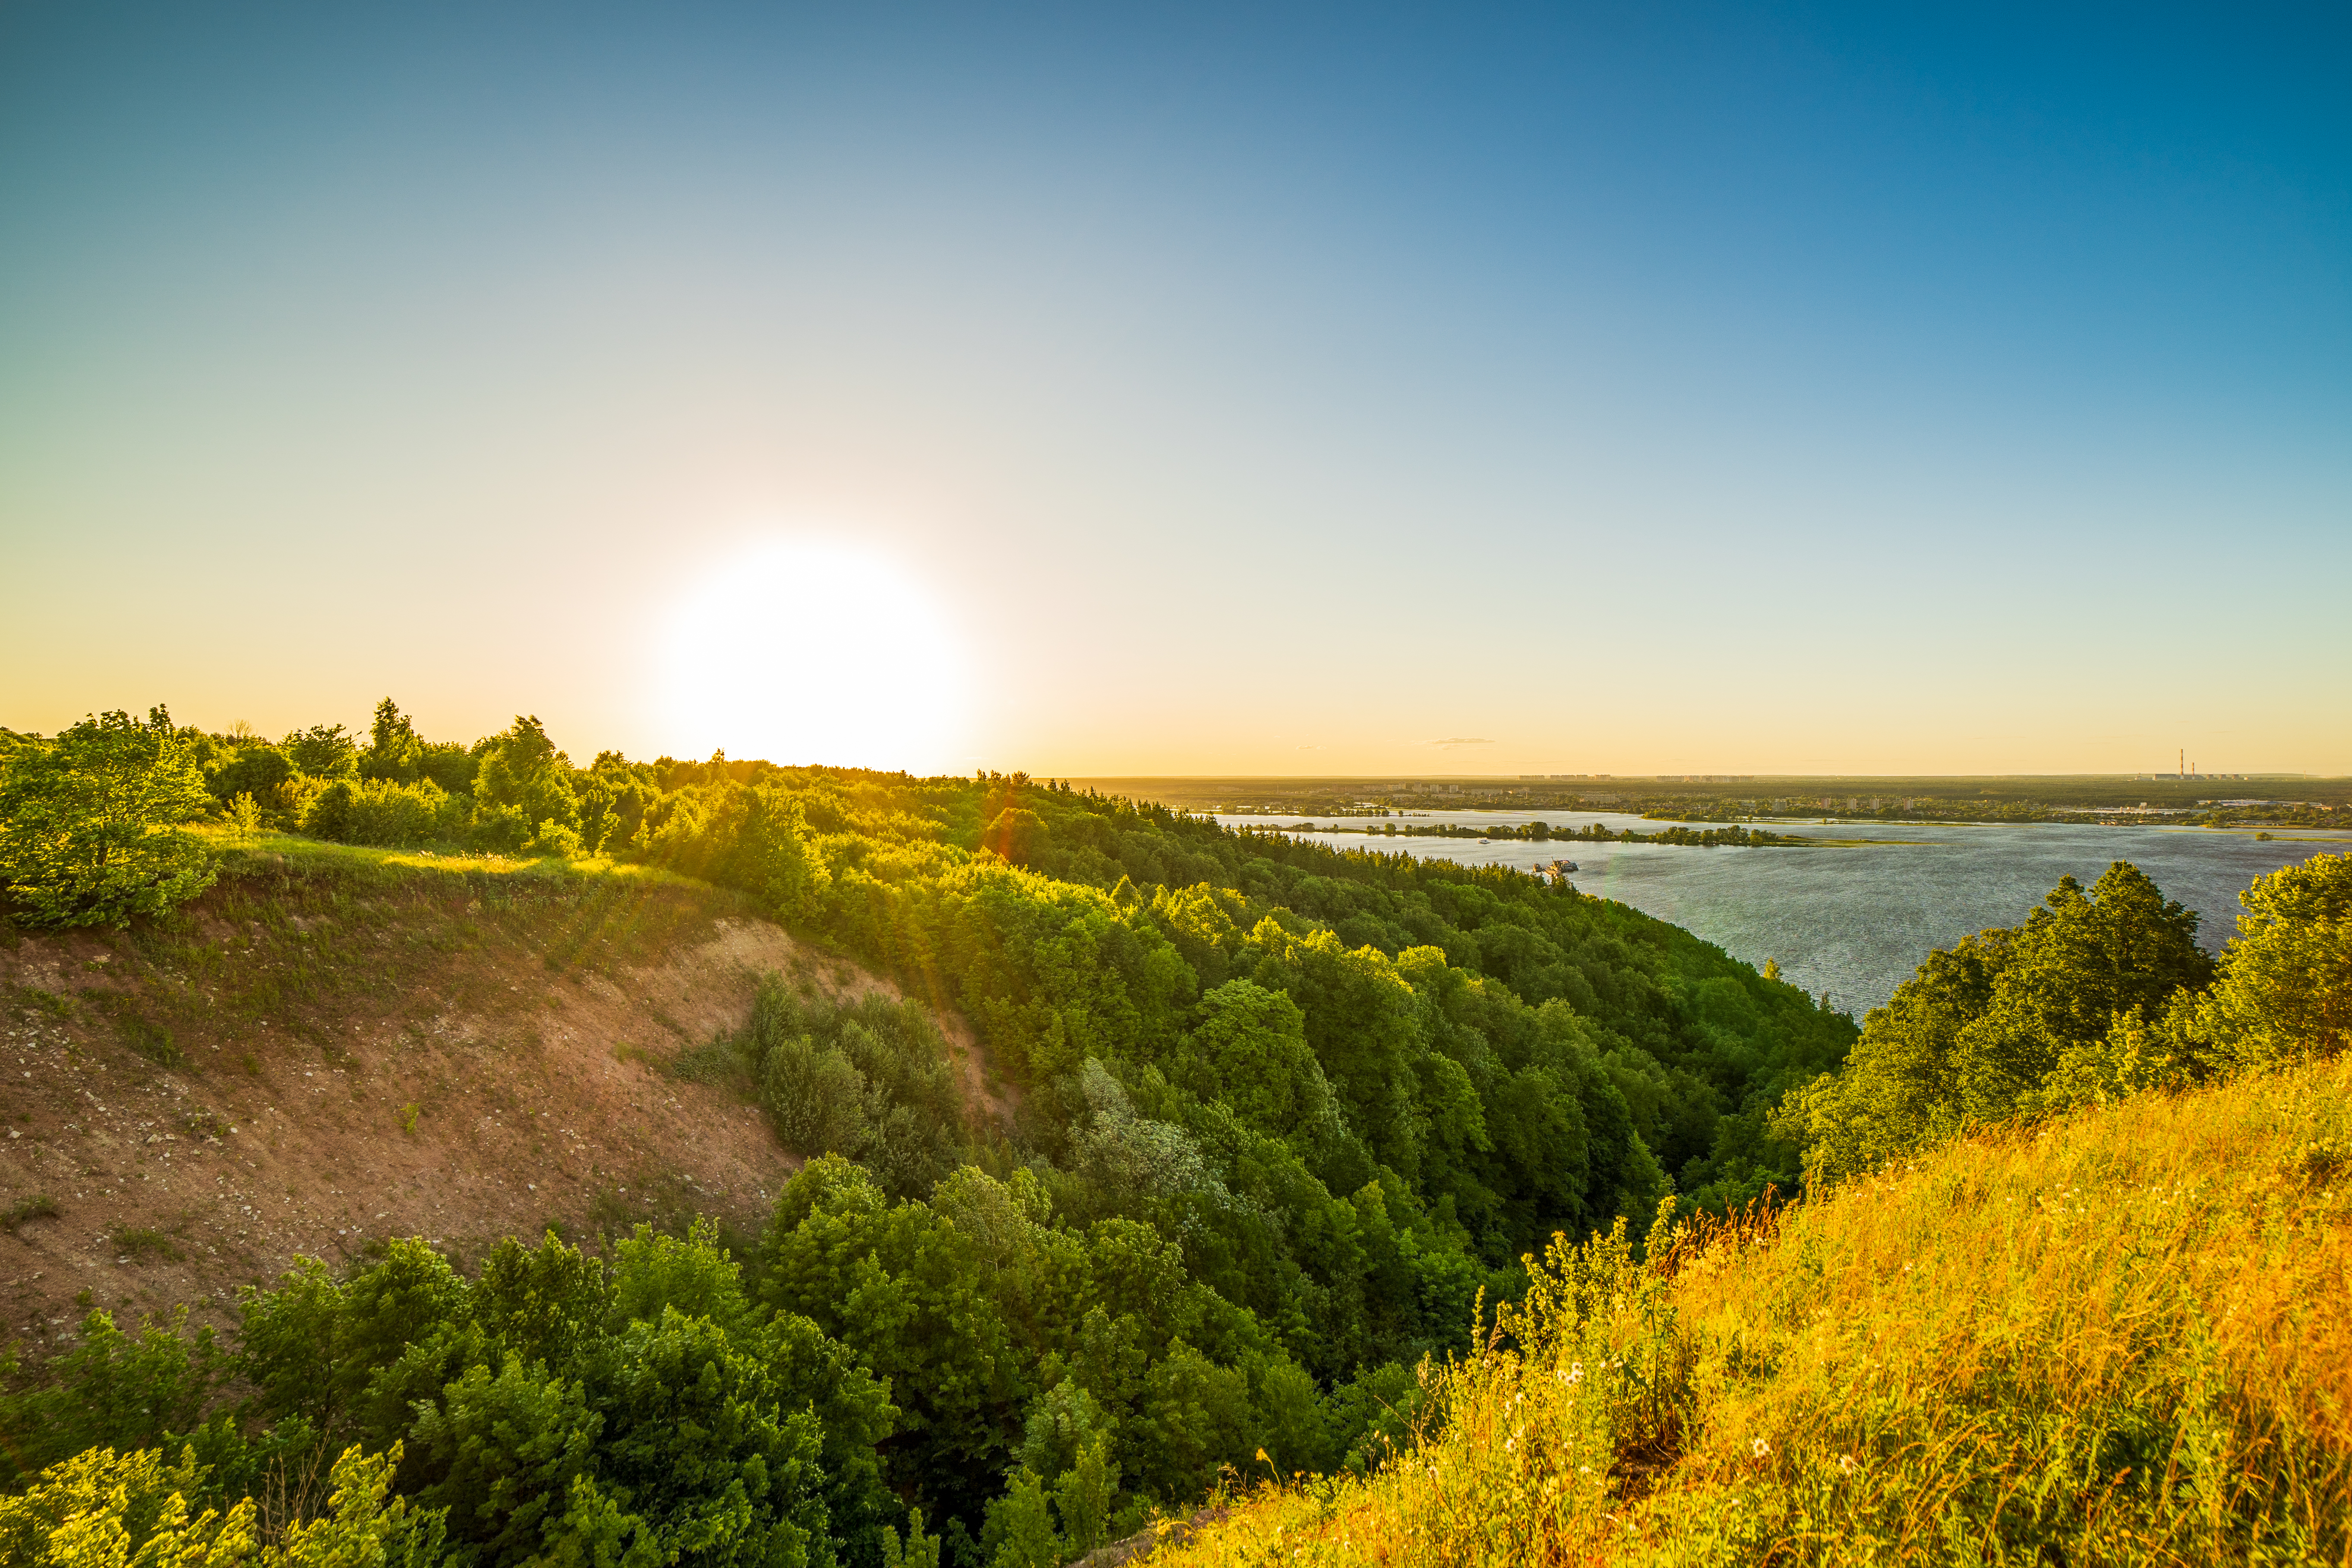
(811, 652)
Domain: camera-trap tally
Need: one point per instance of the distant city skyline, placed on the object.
(1207, 390)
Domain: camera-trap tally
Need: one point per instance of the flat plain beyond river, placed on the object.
(1854, 915)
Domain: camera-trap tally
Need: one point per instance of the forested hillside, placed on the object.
(2072, 1282)
(1273, 1116)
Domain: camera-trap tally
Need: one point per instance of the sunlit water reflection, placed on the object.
(1856, 921)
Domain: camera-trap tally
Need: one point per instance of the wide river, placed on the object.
(1855, 922)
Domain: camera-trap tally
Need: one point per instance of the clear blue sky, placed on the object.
(1270, 389)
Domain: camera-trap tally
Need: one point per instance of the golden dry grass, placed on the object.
(2123, 1338)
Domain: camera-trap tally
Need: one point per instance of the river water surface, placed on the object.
(1856, 921)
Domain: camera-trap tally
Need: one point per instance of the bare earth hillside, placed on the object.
(310, 1058)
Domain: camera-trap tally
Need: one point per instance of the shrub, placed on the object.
(288, 803)
(140, 1244)
(2131, 1056)
(557, 838)
(378, 811)
(111, 1389)
(255, 770)
(244, 815)
(329, 813)
(867, 1078)
(452, 817)
(395, 814)
(818, 1098)
(500, 828)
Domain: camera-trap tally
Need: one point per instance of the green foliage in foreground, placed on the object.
(105, 1509)
(89, 823)
(678, 1406)
(549, 1408)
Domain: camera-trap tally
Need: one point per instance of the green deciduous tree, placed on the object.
(1250, 1050)
(1019, 1533)
(1083, 1496)
(558, 1410)
(1195, 1418)
(394, 752)
(255, 770)
(503, 1449)
(111, 1390)
(1971, 1039)
(89, 823)
(109, 1510)
(523, 773)
(916, 1551)
(2284, 992)
(324, 751)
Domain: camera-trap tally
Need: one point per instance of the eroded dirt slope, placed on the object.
(304, 1063)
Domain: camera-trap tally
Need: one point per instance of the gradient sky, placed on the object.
(1270, 389)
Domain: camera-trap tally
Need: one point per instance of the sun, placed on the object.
(807, 651)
